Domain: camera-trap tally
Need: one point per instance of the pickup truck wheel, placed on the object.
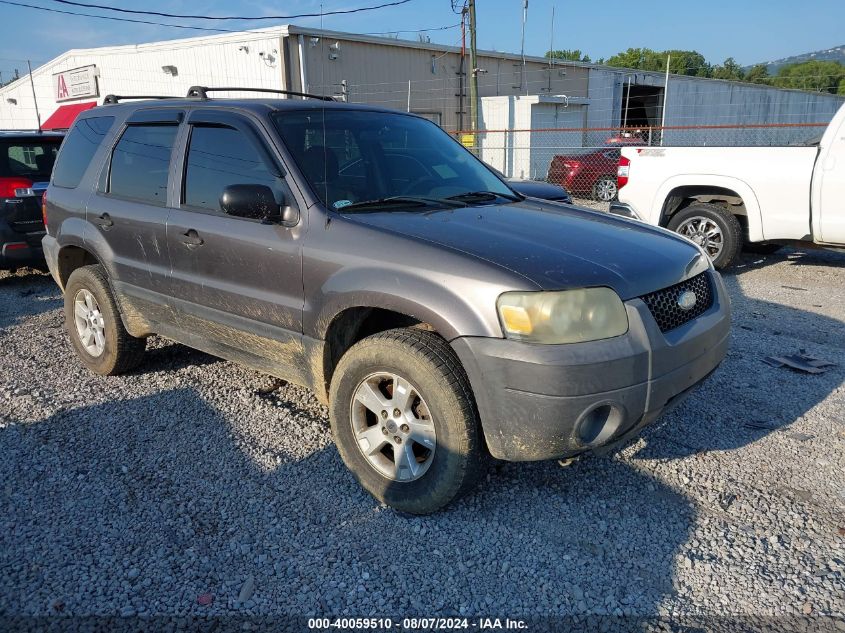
(605, 189)
(712, 227)
(404, 420)
(94, 326)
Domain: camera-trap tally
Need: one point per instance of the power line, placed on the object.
(181, 26)
(436, 28)
(233, 17)
(107, 17)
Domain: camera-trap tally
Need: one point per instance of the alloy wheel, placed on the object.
(606, 189)
(393, 426)
(704, 232)
(90, 324)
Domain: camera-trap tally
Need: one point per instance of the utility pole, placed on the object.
(34, 99)
(522, 45)
(473, 64)
(665, 96)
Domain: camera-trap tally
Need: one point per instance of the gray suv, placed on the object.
(365, 254)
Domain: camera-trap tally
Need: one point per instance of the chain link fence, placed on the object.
(584, 160)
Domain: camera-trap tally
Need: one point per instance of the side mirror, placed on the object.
(257, 202)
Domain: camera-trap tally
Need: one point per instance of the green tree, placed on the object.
(681, 63)
(573, 55)
(814, 76)
(728, 70)
(758, 74)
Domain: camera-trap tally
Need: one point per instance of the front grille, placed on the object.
(666, 310)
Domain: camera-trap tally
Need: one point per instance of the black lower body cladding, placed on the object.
(549, 401)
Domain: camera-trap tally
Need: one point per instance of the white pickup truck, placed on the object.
(726, 197)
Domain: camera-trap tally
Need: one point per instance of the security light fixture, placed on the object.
(12, 101)
(170, 70)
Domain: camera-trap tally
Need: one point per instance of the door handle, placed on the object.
(191, 239)
(104, 220)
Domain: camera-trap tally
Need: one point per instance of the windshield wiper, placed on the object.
(403, 201)
(485, 195)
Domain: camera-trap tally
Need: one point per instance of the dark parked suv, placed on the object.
(26, 160)
(439, 314)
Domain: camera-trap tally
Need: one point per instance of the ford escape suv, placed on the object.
(367, 255)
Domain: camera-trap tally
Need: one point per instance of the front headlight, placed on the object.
(567, 316)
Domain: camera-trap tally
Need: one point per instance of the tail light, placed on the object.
(44, 208)
(15, 187)
(622, 172)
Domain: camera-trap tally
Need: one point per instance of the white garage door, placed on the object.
(545, 144)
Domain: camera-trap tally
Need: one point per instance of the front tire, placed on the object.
(93, 323)
(404, 420)
(712, 227)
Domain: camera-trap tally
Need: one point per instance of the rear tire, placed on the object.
(605, 189)
(423, 399)
(93, 323)
(714, 228)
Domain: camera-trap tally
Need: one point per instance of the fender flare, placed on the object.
(449, 310)
(742, 189)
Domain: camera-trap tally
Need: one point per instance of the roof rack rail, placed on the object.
(112, 99)
(202, 92)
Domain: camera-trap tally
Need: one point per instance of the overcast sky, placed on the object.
(748, 30)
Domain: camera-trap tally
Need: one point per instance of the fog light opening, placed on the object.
(599, 424)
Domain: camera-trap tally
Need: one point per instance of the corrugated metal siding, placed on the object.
(701, 102)
(378, 74)
(707, 102)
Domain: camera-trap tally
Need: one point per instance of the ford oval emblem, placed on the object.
(687, 300)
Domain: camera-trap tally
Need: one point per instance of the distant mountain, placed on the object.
(836, 54)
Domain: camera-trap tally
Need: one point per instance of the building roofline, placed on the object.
(279, 30)
(283, 30)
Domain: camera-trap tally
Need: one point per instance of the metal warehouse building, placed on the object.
(428, 79)
(425, 78)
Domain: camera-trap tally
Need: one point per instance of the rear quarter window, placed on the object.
(141, 162)
(78, 150)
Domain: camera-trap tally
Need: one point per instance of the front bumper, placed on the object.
(549, 401)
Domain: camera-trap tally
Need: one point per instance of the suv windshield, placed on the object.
(31, 158)
(385, 160)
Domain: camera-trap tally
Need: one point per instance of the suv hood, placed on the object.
(555, 246)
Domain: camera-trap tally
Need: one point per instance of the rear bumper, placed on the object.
(548, 401)
(19, 249)
(625, 210)
(51, 255)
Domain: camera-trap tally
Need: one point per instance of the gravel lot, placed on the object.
(179, 485)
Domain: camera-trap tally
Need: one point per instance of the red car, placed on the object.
(591, 172)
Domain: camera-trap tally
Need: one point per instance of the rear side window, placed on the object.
(140, 163)
(219, 157)
(78, 150)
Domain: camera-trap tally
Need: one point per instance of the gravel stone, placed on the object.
(139, 494)
(247, 589)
